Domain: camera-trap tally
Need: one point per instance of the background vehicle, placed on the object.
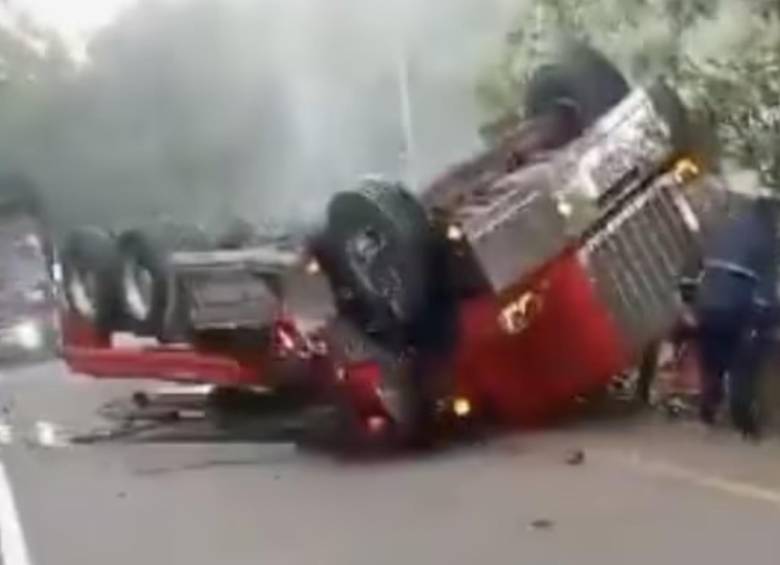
(28, 301)
(518, 281)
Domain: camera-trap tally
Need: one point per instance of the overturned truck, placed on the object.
(514, 283)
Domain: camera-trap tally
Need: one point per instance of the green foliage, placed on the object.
(741, 89)
(723, 56)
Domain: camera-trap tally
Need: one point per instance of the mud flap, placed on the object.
(379, 394)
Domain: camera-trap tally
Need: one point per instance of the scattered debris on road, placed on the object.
(575, 457)
(542, 524)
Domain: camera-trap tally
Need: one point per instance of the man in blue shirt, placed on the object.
(736, 309)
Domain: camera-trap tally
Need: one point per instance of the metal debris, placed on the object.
(575, 457)
(542, 524)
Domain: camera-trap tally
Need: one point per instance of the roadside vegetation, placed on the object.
(722, 55)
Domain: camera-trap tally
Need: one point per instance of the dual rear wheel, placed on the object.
(126, 282)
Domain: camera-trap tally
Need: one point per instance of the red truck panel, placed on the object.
(88, 352)
(570, 347)
(178, 365)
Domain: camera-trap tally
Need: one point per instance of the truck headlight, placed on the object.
(28, 335)
(565, 208)
(461, 406)
(454, 233)
(313, 267)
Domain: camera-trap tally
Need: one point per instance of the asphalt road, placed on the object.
(648, 491)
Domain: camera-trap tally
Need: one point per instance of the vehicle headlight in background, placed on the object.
(33, 242)
(28, 335)
(56, 272)
(313, 267)
(35, 296)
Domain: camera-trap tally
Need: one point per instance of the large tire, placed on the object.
(582, 83)
(149, 293)
(376, 250)
(90, 268)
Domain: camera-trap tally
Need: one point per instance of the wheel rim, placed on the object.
(83, 291)
(139, 289)
(370, 259)
(388, 283)
(570, 112)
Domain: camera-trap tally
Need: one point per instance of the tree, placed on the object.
(722, 55)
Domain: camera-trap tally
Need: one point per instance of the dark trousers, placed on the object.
(743, 393)
(729, 344)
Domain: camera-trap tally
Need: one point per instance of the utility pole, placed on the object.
(538, 30)
(409, 151)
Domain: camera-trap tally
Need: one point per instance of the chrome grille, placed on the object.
(635, 257)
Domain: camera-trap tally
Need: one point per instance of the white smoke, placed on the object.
(201, 109)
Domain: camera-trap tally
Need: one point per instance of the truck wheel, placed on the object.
(90, 270)
(583, 84)
(149, 293)
(376, 253)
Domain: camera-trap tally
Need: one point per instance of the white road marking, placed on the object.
(13, 544)
(6, 434)
(668, 470)
(49, 435)
(195, 390)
